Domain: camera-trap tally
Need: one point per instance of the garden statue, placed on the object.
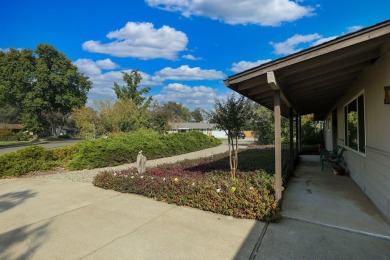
(141, 163)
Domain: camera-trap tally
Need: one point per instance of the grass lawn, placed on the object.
(5, 144)
(206, 184)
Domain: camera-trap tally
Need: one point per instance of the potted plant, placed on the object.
(338, 169)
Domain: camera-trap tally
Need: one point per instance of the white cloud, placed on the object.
(354, 28)
(107, 64)
(90, 67)
(260, 12)
(245, 65)
(186, 73)
(103, 83)
(142, 41)
(4, 50)
(190, 57)
(291, 44)
(191, 97)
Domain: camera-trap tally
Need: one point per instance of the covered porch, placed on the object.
(323, 198)
(323, 80)
(325, 216)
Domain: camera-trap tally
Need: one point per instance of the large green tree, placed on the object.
(311, 131)
(44, 84)
(162, 114)
(131, 91)
(9, 114)
(197, 115)
(87, 121)
(120, 116)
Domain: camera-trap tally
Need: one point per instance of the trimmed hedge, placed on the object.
(32, 158)
(124, 148)
(206, 184)
(9, 135)
(91, 154)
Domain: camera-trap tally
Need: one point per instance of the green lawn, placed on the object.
(5, 144)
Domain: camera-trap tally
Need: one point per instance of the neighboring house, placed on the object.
(12, 127)
(208, 129)
(344, 82)
(66, 131)
(189, 127)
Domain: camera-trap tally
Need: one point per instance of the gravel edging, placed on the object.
(86, 176)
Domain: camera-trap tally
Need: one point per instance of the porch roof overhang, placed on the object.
(313, 80)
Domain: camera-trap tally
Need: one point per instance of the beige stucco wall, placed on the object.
(371, 171)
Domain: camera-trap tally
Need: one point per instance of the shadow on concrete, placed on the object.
(23, 242)
(12, 199)
(252, 242)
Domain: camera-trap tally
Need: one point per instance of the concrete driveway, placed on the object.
(45, 219)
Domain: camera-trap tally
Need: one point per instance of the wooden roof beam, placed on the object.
(271, 80)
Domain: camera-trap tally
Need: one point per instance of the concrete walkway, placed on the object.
(56, 219)
(325, 217)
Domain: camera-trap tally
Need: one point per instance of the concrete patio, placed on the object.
(325, 217)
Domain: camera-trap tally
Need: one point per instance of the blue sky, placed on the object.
(183, 48)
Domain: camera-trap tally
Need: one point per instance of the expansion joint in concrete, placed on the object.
(258, 244)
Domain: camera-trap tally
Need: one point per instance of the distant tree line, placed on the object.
(132, 110)
(42, 90)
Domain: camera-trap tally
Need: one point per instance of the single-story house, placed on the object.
(206, 128)
(190, 126)
(12, 127)
(346, 83)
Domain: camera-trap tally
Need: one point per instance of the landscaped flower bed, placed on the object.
(206, 184)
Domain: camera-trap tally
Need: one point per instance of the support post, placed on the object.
(291, 111)
(296, 135)
(299, 133)
(278, 146)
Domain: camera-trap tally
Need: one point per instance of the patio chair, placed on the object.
(332, 157)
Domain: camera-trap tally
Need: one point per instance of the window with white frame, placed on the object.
(355, 135)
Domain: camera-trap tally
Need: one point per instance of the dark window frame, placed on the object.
(355, 124)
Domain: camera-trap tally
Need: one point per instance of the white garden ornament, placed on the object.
(141, 163)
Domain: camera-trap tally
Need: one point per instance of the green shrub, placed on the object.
(32, 158)
(310, 149)
(22, 136)
(66, 153)
(115, 150)
(6, 135)
(124, 148)
(9, 135)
